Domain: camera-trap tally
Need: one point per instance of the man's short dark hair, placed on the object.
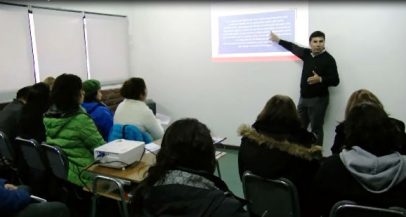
(23, 92)
(317, 34)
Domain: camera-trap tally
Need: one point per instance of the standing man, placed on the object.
(318, 73)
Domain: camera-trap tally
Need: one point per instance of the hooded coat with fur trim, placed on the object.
(266, 156)
(281, 152)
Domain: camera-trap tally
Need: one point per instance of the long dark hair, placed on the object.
(186, 144)
(279, 111)
(369, 127)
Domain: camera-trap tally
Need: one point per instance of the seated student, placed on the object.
(357, 97)
(16, 202)
(370, 170)
(133, 110)
(32, 127)
(69, 127)
(100, 113)
(9, 121)
(11, 113)
(277, 146)
(31, 122)
(181, 183)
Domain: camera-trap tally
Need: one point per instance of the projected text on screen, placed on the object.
(242, 34)
(245, 33)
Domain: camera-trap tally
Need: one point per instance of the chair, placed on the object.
(32, 153)
(117, 185)
(346, 208)
(59, 167)
(69, 193)
(8, 155)
(36, 174)
(58, 161)
(5, 147)
(270, 197)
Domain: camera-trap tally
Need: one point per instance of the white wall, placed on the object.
(172, 53)
(367, 42)
(170, 48)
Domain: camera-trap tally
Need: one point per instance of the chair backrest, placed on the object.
(31, 153)
(270, 197)
(8, 158)
(347, 208)
(58, 161)
(6, 150)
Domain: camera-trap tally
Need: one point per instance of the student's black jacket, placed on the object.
(186, 201)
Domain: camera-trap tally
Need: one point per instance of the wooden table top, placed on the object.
(135, 172)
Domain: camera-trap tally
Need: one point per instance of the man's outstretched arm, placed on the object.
(295, 49)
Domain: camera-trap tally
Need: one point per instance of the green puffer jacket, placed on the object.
(77, 135)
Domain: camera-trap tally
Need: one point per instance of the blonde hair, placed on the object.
(49, 81)
(361, 96)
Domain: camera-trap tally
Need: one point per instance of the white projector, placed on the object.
(119, 153)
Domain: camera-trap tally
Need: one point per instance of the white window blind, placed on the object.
(17, 66)
(108, 54)
(60, 41)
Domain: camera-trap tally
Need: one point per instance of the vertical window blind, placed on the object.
(60, 43)
(17, 66)
(43, 42)
(107, 43)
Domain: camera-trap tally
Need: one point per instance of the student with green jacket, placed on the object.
(69, 127)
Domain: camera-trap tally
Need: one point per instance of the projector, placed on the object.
(119, 153)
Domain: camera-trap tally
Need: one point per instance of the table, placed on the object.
(136, 172)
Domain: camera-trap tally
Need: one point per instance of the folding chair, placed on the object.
(37, 173)
(58, 165)
(32, 153)
(8, 155)
(346, 208)
(58, 161)
(71, 194)
(270, 197)
(117, 185)
(6, 150)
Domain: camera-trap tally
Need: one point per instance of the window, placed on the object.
(107, 43)
(60, 43)
(17, 65)
(48, 42)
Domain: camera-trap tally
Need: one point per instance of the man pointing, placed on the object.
(318, 73)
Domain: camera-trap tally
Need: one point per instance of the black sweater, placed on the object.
(323, 64)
